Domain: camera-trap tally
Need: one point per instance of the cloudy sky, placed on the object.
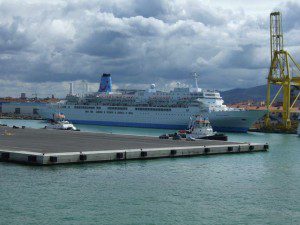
(46, 44)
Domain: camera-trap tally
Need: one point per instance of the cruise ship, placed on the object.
(151, 108)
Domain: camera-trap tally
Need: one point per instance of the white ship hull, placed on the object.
(235, 121)
(152, 117)
(148, 117)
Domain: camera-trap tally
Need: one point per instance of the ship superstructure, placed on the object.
(152, 108)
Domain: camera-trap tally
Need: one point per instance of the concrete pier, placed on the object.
(50, 147)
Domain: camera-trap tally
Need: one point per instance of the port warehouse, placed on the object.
(21, 108)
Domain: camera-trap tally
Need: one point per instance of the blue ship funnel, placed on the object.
(105, 83)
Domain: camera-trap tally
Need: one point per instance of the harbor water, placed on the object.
(259, 188)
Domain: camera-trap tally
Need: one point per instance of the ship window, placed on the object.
(117, 108)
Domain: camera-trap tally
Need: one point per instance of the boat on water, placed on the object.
(200, 128)
(152, 108)
(59, 123)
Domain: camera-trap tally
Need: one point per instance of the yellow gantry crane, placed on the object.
(284, 71)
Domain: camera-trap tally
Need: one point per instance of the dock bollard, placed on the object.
(32, 158)
(144, 154)
(119, 155)
(82, 157)
(230, 148)
(5, 155)
(173, 152)
(206, 150)
(53, 159)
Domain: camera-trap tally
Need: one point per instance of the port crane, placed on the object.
(284, 71)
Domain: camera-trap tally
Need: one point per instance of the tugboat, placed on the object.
(59, 123)
(199, 128)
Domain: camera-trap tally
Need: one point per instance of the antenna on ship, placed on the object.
(87, 87)
(71, 89)
(196, 76)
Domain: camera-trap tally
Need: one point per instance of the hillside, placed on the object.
(257, 93)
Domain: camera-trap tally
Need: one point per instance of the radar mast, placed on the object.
(196, 76)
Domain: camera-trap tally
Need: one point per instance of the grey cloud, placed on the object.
(291, 16)
(167, 11)
(201, 13)
(106, 43)
(153, 8)
(12, 38)
(138, 41)
(247, 57)
(140, 26)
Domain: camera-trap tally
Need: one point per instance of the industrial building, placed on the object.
(21, 108)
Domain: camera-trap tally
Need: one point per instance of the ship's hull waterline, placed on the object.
(235, 121)
(160, 118)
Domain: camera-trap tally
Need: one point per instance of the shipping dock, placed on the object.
(50, 147)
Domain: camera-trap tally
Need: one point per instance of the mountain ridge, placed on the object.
(257, 93)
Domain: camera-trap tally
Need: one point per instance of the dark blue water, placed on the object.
(257, 188)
